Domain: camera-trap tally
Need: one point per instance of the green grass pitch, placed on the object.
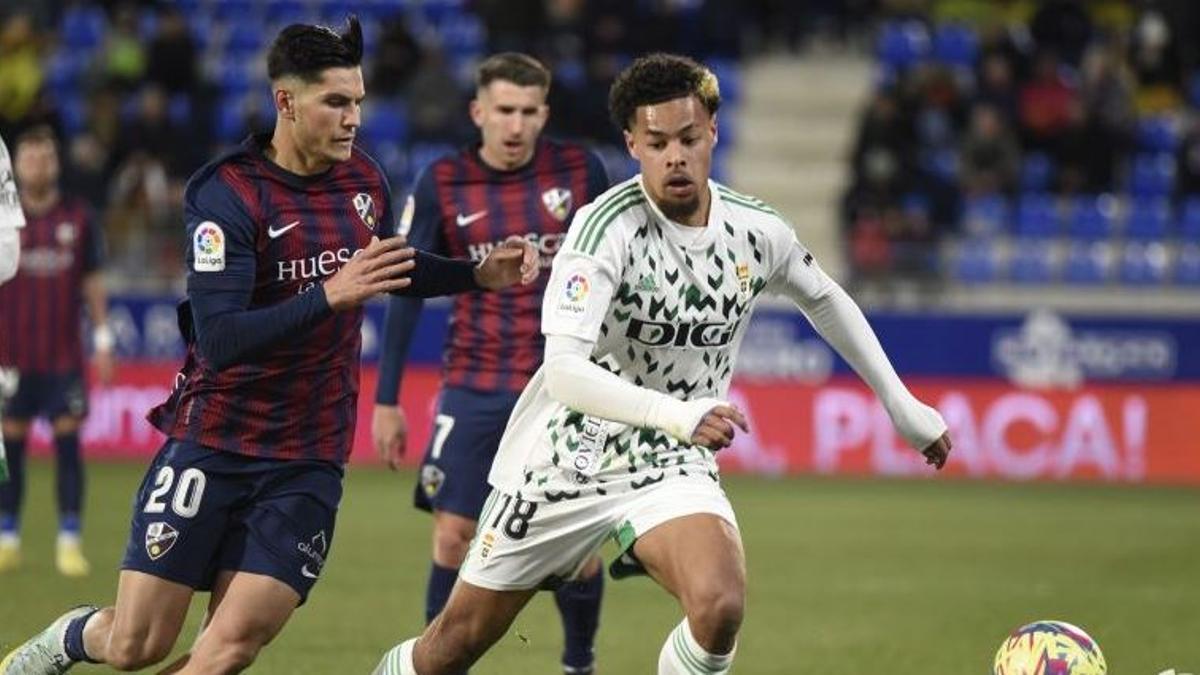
(846, 577)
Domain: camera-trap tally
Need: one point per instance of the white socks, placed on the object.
(682, 655)
(398, 660)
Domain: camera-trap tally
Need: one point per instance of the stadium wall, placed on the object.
(1027, 397)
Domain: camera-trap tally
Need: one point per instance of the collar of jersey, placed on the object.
(686, 235)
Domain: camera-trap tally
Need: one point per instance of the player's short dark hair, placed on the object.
(305, 50)
(521, 69)
(36, 133)
(658, 78)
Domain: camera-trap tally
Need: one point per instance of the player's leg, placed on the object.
(67, 413)
(687, 540)
(520, 546)
(245, 613)
(578, 603)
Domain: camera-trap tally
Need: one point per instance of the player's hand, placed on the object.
(104, 365)
(938, 452)
(716, 428)
(389, 430)
(514, 261)
(381, 267)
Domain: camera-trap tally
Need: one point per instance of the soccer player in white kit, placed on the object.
(11, 217)
(616, 435)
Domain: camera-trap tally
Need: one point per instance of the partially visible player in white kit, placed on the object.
(11, 217)
(616, 435)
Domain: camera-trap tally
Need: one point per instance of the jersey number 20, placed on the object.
(188, 492)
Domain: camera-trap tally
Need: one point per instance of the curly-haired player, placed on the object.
(616, 435)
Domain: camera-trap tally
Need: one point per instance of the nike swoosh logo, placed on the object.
(464, 221)
(276, 233)
(305, 572)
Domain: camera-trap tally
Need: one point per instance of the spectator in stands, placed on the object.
(124, 60)
(885, 146)
(171, 56)
(20, 71)
(1063, 27)
(397, 59)
(990, 156)
(1188, 177)
(998, 87)
(1090, 152)
(1155, 62)
(431, 93)
(1048, 104)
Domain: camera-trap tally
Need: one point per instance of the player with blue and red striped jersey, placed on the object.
(514, 182)
(288, 235)
(42, 348)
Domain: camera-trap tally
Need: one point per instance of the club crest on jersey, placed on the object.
(160, 537)
(558, 202)
(208, 247)
(743, 275)
(365, 206)
(65, 233)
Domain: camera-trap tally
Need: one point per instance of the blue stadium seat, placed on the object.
(242, 11)
(73, 110)
(1159, 133)
(1144, 263)
(234, 78)
(1092, 217)
(188, 8)
(1037, 170)
(385, 122)
(1189, 219)
(244, 40)
(956, 45)
(976, 262)
(334, 12)
(394, 160)
(985, 215)
(1153, 175)
(903, 43)
(201, 27)
(438, 12)
(463, 36)
(179, 110)
(422, 154)
(83, 27)
(1148, 219)
(1187, 265)
(62, 71)
(1087, 263)
(283, 12)
(147, 24)
(1032, 262)
(1037, 216)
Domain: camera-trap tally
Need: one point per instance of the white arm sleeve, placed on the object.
(10, 252)
(573, 380)
(839, 320)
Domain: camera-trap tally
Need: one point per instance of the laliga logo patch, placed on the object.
(558, 202)
(574, 294)
(365, 206)
(160, 537)
(208, 247)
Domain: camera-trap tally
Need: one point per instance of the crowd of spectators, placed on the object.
(1025, 121)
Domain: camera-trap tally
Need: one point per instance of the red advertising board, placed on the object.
(1112, 433)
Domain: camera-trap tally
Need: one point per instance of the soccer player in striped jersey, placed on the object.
(42, 349)
(12, 218)
(514, 182)
(616, 435)
(288, 234)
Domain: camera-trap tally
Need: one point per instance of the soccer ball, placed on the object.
(1049, 648)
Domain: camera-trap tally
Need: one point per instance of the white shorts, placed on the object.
(523, 545)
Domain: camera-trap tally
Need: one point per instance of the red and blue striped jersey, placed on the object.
(41, 308)
(251, 224)
(462, 208)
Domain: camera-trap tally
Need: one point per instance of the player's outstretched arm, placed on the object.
(840, 321)
(572, 379)
(382, 267)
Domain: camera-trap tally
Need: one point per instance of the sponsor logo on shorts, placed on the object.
(315, 549)
(160, 538)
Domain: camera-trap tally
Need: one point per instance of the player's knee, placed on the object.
(450, 543)
(715, 614)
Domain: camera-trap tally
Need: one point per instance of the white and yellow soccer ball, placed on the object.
(1049, 648)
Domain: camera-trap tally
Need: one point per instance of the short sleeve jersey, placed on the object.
(666, 306)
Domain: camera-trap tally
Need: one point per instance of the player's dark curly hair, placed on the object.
(658, 78)
(305, 50)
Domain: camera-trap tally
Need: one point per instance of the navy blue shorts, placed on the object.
(199, 511)
(466, 433)
(48, 395)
